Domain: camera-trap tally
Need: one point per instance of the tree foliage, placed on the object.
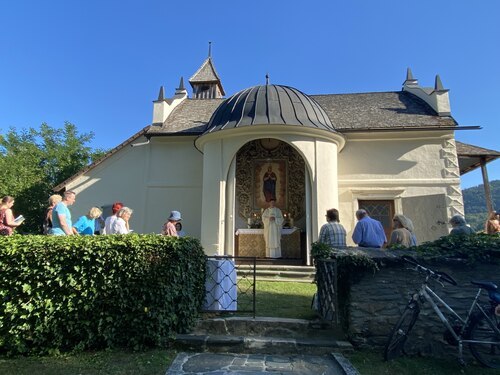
(33, 161)
(475, 204)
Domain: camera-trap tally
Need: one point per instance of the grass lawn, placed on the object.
(109, 362)
(285, 300)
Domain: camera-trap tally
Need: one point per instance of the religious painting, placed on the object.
(270, 182)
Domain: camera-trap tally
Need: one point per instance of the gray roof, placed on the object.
(471, 157)
(206, 73)
(465, 149)
(346, 112)
(380, 110)
(269, 105)
(189, 117)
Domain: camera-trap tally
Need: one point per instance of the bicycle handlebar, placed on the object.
(439, 276)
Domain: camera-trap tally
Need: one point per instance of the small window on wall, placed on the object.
(382, 211)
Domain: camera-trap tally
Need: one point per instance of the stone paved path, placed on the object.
(222, 364)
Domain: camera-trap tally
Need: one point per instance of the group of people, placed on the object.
(369, 232)
(57, 220)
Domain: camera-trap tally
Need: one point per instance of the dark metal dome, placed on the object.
(269, 105)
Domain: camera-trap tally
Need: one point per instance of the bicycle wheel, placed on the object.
(397, 338)
(481, 330)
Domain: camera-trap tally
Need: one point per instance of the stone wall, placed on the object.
(378, 299)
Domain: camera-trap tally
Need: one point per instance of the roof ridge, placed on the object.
(101, 159)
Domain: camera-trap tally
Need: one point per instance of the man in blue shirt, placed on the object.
(368, 232)
(61, 216)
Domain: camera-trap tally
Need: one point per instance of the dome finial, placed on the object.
(267, 78)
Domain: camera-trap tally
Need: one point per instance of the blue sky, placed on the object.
(99, 64)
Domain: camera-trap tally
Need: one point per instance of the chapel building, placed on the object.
(206, 156)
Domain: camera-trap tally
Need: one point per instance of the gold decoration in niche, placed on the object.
(245, 182)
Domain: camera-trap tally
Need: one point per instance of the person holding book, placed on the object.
(7, 221)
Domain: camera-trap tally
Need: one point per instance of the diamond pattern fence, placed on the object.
(327, 297)
(226, 289)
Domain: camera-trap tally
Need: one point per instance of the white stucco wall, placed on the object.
(153, 180)
(397, 167)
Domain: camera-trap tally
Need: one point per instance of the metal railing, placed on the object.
(228, 288)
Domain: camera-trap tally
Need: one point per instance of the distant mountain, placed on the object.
(475, 204)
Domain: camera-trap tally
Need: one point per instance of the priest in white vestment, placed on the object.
(273, 221)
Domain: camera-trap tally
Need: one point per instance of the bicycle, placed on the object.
(480, 329)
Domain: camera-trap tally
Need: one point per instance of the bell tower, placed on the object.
(205, 82)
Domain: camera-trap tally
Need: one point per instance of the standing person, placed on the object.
(333, 233)
(368, 232)
(459, 225)
(121, 224)
(86, 224)
(110, 219)
(169, 226)
(400, 234)
(61, 215)
(47, 222)
(273, 221)
(492, 225)
(269, 184)
(178, 228)
(7, 222)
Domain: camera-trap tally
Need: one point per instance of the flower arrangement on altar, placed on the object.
(255, 220)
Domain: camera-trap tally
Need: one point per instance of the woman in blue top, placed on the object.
(85, 224)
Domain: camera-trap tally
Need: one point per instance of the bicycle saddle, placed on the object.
(487, 285)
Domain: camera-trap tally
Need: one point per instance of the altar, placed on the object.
(250, 243)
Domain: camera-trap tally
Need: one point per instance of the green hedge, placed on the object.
(472, 248)
(89, 292)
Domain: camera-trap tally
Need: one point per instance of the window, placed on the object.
(381, 210)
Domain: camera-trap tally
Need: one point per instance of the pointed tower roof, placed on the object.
(207, 74)
(438, 85)
(161, 94)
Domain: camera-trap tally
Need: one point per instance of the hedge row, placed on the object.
(89, 292)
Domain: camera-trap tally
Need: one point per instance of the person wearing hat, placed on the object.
(169, 226)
